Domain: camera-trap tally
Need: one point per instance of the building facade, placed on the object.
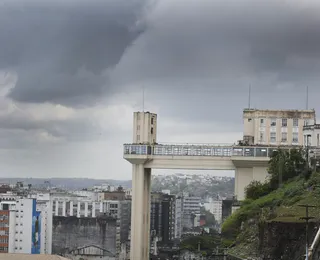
(162, 217)
(190, 212)
(26, 226)
(276, 127)
(311, 135)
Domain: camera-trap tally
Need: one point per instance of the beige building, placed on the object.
(144, 128)
(276, 127)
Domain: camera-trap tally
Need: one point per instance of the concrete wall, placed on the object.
(72, 232)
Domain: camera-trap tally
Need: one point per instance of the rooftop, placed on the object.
(279, 110)
(31, 257)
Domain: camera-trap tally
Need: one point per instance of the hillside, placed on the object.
(270, 226)
(201, 185)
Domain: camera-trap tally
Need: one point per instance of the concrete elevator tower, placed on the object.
(144, 133)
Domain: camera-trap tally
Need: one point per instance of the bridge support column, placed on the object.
(243, 177)
(140, 212)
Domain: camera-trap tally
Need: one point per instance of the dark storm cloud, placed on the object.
(62, 49)
(201, 56)
(227, 39)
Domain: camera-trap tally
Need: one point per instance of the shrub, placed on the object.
(256, 189)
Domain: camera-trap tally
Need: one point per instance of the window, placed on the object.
(283, 137)
(306, 122)
(284, 122)
(262, 122)
(295, 122)
(273, 136)
(273, 122)
(138, 127)
(318, 139)
(152, 130)
(261, 137)
(151, 120)
(295, 137)
(138, 138)
(249, 119)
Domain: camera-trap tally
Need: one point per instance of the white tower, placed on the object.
(144, 133)
(144, 128)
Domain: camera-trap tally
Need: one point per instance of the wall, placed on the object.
(73, 232)
(284, 241)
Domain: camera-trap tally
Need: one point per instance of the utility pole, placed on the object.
(280, 168)
(307, 218)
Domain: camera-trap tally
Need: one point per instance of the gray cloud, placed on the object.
(62, 50)
(195, 59)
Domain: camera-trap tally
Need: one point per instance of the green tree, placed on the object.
(210, 219)
(285, 164)
(257, 189)
(207, 242)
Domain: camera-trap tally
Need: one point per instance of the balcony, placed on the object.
(311, 127)
(199, 150)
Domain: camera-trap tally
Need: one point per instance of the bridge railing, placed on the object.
(200, 150)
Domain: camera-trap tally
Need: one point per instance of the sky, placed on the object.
(72, 74)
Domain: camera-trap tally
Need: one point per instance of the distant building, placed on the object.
(162, 217)
(26, 226)
(215, 208)
(178, 218)
(276, 127)
(311, 135)
(190, 211)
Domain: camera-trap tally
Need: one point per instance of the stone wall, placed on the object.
(284, 241)
(72, 232)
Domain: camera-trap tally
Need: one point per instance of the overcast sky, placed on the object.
(72, 73)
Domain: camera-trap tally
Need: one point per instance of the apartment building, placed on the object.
(26, 226)
(190, 212)
(276, 127)
(162, 217)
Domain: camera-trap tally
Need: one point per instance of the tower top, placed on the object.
(144, 127)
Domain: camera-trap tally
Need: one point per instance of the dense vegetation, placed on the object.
(277, 199)
(206, 242)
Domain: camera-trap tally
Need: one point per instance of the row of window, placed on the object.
(284, 137)
(284, 122)
(4, 240)
(3, 249)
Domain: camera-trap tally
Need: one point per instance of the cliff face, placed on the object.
(279, 240)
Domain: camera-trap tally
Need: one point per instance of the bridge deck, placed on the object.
(200, 150)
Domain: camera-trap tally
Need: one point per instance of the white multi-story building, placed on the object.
(276, 127)
(29, 225)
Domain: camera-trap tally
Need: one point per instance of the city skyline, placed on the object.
(68, 92)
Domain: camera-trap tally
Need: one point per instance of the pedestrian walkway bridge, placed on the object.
(211, 150)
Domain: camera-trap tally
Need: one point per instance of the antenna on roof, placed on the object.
(307, 98)
(142, 98)
(249, 101)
